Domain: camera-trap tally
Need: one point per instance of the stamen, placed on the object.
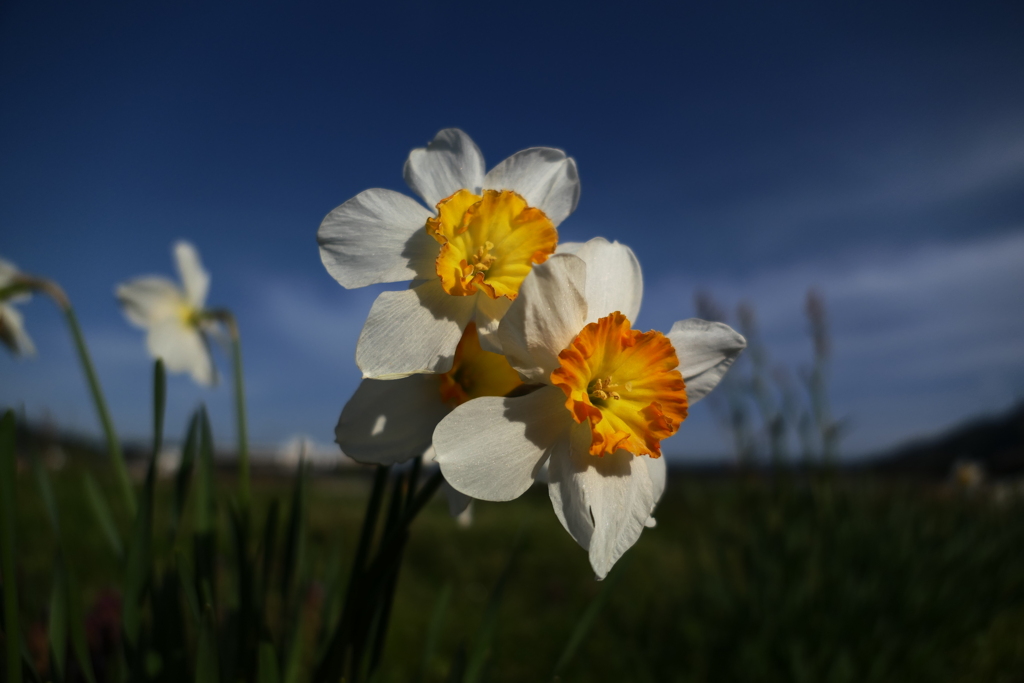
(602, 389)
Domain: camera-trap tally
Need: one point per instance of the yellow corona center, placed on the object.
(476, 372)
(489, 243)
(625, 384)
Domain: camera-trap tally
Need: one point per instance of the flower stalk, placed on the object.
(28, 283)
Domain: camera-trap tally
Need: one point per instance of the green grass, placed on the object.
(861, 580)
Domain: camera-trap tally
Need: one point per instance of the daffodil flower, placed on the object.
(387, 422)
(173, 316)
(605, 395)
(466, 255)
(12, 330)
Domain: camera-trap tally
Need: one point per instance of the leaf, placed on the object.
(294, 536)
(57, 629)
(204, 541)
(8, 472)
(268, 671)
(101, 511)
(76, 622)
(331, 666)
(206, 654)
(139, 570)
(482, 647)
(269, 544)
(188, 587)
(587, 619)
(184, 476)
(205, 483)
(434, 628)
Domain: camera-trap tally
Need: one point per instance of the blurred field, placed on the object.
(742, 580)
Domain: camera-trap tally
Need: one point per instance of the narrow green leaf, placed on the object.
(159, 403)
(435, 628)
(483, 644)
(458, 671)
(76, 622)
(294, 532)
(206, 656)
(46, 493)
(587, 619)
(58, 627)
(183, 479)
(268, 669)
(205, 482)
(101, 512)
(331, 666)
(188, 587)
(8, 472)
(139, 569)
(268, 547)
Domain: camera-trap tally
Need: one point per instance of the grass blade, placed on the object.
(332, 665)
(435, 628)
(101, 512)
(8, 472)
(587, 619)
(483, 645)
(184, 476)
(205, 536)
(57, 629)
(268, 669)
(293, 539)
(138, 570)
(206, 655)
(76, 622)
(268, 549)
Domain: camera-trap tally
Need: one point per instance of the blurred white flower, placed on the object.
(173, 316)
(12, 330)
(605, 396)
(466, 255)
(389, 422)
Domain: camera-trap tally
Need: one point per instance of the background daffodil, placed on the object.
(604, 397)
(12, 329)
(466, 255)
(173, 316)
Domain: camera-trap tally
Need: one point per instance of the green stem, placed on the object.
(53, 290)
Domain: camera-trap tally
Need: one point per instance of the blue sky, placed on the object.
(875, 151)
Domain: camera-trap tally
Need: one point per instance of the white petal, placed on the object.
(147, 301)
(491, 448)
(12, 332)
(489, 313)
(705, 350)
(193, 276)
(412, 331)
(182, 348)
(545, 177)
(377, 236)
(603, 503)
(7, 272)
(546, 316)
(451, 162)
(390, 421)
(658, 469)
(614, 279)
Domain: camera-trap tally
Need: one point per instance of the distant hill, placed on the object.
(997, 443)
